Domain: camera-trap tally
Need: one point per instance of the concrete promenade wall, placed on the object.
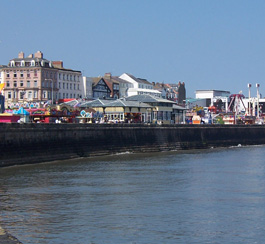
(34, 143)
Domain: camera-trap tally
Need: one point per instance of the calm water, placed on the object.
(209, 196)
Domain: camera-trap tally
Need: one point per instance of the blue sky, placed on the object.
(208, 44)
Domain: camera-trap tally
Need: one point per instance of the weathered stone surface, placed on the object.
(6, 238)
(33, 143)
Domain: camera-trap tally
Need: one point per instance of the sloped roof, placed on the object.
(148, 99)
(72, 103)
(94, 103)
(139, 80)
(95, 80)
(179, 107)
(114, 103)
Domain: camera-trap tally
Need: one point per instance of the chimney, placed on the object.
(57, 64)
(38, 54)
(30, 56)
(21, 55)
(107, 75)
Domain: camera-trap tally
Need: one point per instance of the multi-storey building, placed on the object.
(70, 82)
(107, 87)
(139, 86)
(173, 92)
(32, 81)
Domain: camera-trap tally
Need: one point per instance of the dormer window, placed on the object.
(22, 63)
(32, 63)
(12, 63)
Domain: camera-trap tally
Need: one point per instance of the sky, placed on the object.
(208, 44)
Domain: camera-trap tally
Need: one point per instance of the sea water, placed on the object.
(197, 196)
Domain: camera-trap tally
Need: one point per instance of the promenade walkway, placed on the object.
(6, 238)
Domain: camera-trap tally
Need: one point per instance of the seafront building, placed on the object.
(33, 81)
(136, 109)
(70, 82)
(173, 92)
(139, 86)
(212, 97)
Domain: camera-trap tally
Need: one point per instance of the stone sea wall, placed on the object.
(34, 143)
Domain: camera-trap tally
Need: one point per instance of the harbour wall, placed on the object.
(34, 143)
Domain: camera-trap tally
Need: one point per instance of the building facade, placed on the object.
(140, 86)
(32, 81)
(70, 82)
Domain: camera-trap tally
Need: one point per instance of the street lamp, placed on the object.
(257, 85)
(249, 102)
(52, 87)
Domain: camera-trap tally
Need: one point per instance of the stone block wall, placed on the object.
(34, 143)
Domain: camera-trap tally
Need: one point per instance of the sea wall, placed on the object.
(34, 143)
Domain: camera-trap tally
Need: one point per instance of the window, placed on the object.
(30, 95)
(15, 75)
(9, 95)
(70, 77)
(35, 83)
(15, 83)
(59, 76)
(35, 94)
(63, 76)
(28, 75)
(7, 74)
(21, 83)
(70, 86)
(63, 86)
(21, 94)
(59, 85)
(74, 86)
(67, 85)
(35, 73)
(21, 74)
(7, 84)
(14, 94)
(44, 94)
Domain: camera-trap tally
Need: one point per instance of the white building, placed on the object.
(213, 96)
(70, 82)
(87, 83)
(140, 86)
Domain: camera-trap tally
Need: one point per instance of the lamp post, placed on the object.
(257, 85)
(249, 102)
(52, 87)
